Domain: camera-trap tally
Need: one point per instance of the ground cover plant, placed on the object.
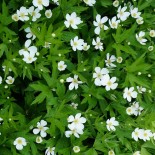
(77, 77)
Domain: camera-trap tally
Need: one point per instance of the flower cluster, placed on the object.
(142, 134)
(76, 125)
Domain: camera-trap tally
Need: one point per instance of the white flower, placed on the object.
(86, 47)
(90, 2)
(20, 142)
(34, 13)
(72, 20)
(77, 44)
(136, 108)
(140, 38)
(150, 48)
(99, 23)
(111, 152)
(146, 135)
(111, 123)
(76, 122)
(10, 80)
(1, 119)
(137, 133)
(0, 80)
(98, 75)
(116, 3)
(61, 66)
(152, 33)
(73, 131)
(114, 23)
(29, 57)
(56, 2)
(137, 153)
(74, 105)
(29, 33)
(39, 139)
(15, 17)
(23, 14)
(76, 149)
(74, 82)
(119, 59)
(47, 45)
(48, 13)
(130, 110)
(50, 151)
(40, 3)
(109, 83)
(122, 15)
(41, 127)
(98, 44)
(28, 48)
(134, 13)
(129, 94)
(140, 20)
(141, 89)
(110, 60)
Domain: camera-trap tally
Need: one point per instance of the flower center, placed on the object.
(40, 2)
(114, 24)
(76, 121)
(75, 81)
(10, 81)
(40, 127)
(100, 24)
(75, 43)
(99, 75)
(71, 21)
(22, 14)
(19, 141)
(128, 93)
(109, 83)
(145, 135)
(33, 13)
(110, 124)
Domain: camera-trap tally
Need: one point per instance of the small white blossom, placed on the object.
(86, 47)
(140, 20)
(61, 66)
(56, 2)
(146, 135)
(114, 23)
(76, 122)
(150, 48)
(121, 14)
(90, 2)
(0, 80)
(23, 14)
(29, 57)
(73, 131)
(109, 61)
(116, 3)
(73, 82)
(140, 38)
(74, 105)
(19, 143)
(77, 44)
(111, 123)
(48, 13)
(137, 133)
(98, 75)
(109, 83)
(129, 93)
(152, 33)
(41, 127)
(15, 17)
(1, 119)
(50, 151)
(72, 20)
(99, 23)
(111, 152)
(76, 149)
(40, 3)
(10, 80)
(39, 139)
(134, 12)
(141, 89)
(119, 59)
(29, 33)
(34, 13)
(137, 153)
(98, 44)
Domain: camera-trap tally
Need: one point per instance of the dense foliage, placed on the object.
(77, 77)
